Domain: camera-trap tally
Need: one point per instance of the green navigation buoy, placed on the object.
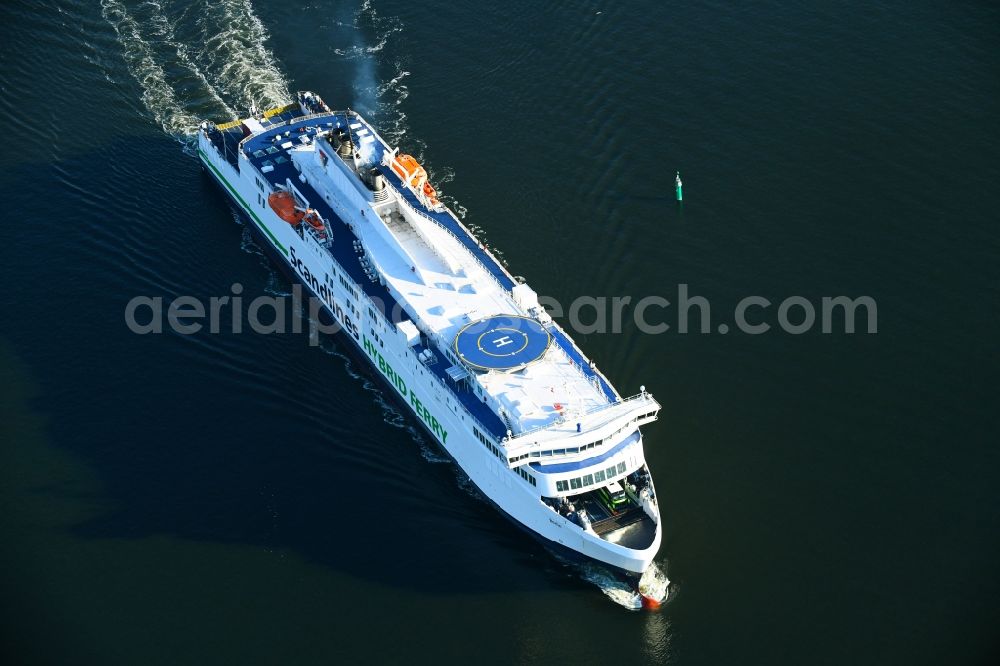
(680, 187)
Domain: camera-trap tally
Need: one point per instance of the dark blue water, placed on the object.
(826, 498)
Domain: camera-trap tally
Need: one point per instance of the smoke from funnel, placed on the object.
(365, 86)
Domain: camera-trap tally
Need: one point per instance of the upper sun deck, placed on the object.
(227, 137)
(429, 263)
(449, 287)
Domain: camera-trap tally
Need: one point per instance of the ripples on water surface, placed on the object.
(171, 490)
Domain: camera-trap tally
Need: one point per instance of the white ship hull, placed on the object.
(428, 399)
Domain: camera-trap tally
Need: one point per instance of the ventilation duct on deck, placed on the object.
(342, 140)
(377, 184)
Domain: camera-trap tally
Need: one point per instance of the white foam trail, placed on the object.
(433, 456)
(613, 587)
(276, 285)
(234, 51)
(654, 583)
(198, 60)
(390, 415)
(361, 50)
(466, 485)
(164, 29)
(157, 94)
(393, 122)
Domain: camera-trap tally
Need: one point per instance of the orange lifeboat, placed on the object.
(409, 170)
(283, 204)
(314, 220)
(430, 193)
(411, 173)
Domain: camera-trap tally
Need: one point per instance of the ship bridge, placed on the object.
(577, 436)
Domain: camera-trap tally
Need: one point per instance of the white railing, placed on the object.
(515, 439)
(347, 116)
(482, 427)
(598, 375)
(297, 120)
(485, 430)
(430, 219)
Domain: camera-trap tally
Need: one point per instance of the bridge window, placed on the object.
(598, 476)
(621, 468)
(611, 472)
(588, 479)
(562, 485)
(575, 483)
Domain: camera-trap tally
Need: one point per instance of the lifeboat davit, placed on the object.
(283, 204)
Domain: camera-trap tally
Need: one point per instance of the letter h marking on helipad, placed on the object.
(505, 340)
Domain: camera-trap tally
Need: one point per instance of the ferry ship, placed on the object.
(462, 344)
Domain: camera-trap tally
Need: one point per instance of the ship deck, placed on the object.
(229, 135)
(341, 248)
(263, 150)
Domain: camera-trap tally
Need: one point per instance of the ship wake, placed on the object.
(210, 59)
(195, 60)
(653, 585)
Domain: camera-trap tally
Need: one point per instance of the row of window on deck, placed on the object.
(591, 479)
(499, 454)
